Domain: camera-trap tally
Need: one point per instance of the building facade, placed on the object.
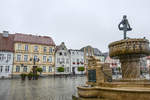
(77, 60)
(148, 61)
(90, 51)
(31, 50)
(115, 64)
(62, 59)
(98, 54)
(6, 54)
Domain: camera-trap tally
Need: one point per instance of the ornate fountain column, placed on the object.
(130, 68)
(129, 52)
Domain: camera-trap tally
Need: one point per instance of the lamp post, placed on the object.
(34, 65)
(22, 65)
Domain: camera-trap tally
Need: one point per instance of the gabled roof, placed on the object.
(33, 39)
(62, 46)
(97, 52)
(6, 43)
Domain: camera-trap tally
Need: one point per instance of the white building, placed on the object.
(98, 54)
(6, 54)
(114, 64)
(62, 59)
(77, 60)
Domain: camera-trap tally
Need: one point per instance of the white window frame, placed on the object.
(26, 47)
(44, 68)
(44, 58)
(50, 59)
(18, 56)
(25, 58)
(36, 48)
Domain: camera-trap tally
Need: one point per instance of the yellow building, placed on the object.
(30, 47)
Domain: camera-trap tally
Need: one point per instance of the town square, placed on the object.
(74, 50)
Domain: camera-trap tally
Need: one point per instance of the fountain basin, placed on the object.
(129, 47)
(115, 93)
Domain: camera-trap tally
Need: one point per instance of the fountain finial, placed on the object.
(125, 26)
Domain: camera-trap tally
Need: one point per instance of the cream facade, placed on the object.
(25, 53)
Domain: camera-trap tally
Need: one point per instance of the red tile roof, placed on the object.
(6, 43)
(33, 39)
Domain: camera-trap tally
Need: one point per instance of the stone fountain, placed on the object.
(101, 86)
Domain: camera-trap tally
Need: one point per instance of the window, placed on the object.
(44, 68)
(67, 61)
(50, 59)
(44, 49)
(25, 69)
(25, 58)
(44, 58)
(77, 60)
(18, 57)
(62, 60)
(6, 68)
(65, 54)
(60, 53)
(1, 57)
(81, 60)
(1, 68)
(19, 46)
(35, 57)
(8, 57)
(72, 53)
(17, 68)
(58, 60)
(81, 53)
(50, 50)
(73, 60)
(26, 47)
(35, 48)
(50, 68)
(67, 69)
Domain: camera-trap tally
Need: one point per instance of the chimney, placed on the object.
(5, 33)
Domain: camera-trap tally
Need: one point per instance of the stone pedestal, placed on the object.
(98, 73)
(130, 68)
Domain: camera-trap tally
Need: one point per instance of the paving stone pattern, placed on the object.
(42, 89)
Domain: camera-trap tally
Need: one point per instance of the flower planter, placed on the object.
(30, 75)
(23, 76)
(36, 77)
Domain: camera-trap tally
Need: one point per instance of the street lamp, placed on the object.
(34, 67)
(34, 60)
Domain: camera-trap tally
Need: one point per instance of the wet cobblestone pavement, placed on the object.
(43, 89)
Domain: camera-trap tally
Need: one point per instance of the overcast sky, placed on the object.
(78, 23)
